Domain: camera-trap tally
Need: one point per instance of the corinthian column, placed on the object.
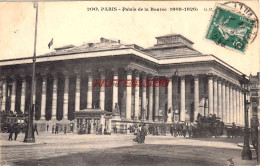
(182, 112)
(144, 104)
(4, 95)
(115, 88)
(13, 94)
(23, 88)
(227, 103)
(224, 111)
(241, 108)
(137, 82)
(156, 102)
(231, 104)
(128, 94)
(90, 89)
(102, 89)
(150, 118)
(220, 99)
(234, 105)
(210, 86)
(237, 105)
(77, 95)
(215, 104)
(43, 99)
(66, 96)
(54, 97)
(169, 120)
(196, 96)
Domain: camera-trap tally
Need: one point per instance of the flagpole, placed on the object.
(29, 135)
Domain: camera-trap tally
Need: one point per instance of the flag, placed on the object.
(35, 5)
(50, 43)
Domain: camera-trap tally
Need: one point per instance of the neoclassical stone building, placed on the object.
(198, 83)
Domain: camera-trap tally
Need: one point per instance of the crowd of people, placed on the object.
(140, 133)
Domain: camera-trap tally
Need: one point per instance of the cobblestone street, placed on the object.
(71, 149)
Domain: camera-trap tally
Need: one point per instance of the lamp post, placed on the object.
(29, 135)
(246, 153)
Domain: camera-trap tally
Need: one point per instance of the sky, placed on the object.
(75, 23)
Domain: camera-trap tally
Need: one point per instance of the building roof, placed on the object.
(174, 35)
(180, 53)
(104, 44)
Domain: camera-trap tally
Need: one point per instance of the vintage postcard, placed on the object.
(129, 83)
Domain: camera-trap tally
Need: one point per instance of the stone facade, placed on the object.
(198, 83)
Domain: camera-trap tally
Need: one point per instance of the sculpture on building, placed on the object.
(116, 110)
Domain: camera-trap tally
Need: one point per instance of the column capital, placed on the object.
(89, 71)
(150, 76)
(102, 71)
(156, 77)
(216, 78)
(137, 73)
(54, 74)
(115, 71)
(182, 77)
(76, 71)
(129, 70)
(210, 75)
(144, 75)
(220, 81)
(13, 77)
(43, 75)
(3, 78)
(65, 74)
(196, 75)
(169, 76)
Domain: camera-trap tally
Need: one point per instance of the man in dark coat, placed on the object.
(17, 130)
(47, 127)
(89, 128)
(56, 129)
(143, 133)
(11, 131)
(65, 129)
(35, 128)
(53, 128)
(171, 130)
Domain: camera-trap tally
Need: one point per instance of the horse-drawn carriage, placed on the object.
(9, 120)
(207, 127)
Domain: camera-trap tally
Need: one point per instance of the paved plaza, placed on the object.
(71, 149)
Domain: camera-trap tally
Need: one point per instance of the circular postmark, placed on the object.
(246, 11)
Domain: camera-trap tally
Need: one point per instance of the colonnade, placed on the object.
(224, 98)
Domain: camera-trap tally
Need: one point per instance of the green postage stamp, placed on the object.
(230, 29)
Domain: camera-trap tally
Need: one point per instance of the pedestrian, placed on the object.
(138, 135)
(11, 130)
(143, 133)
(89, 128)
(171, 130)
(100, 130)
(35, 128)
(65, 129)
(47, 127)
(16, 131)
(56, 129)
(53, 129)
